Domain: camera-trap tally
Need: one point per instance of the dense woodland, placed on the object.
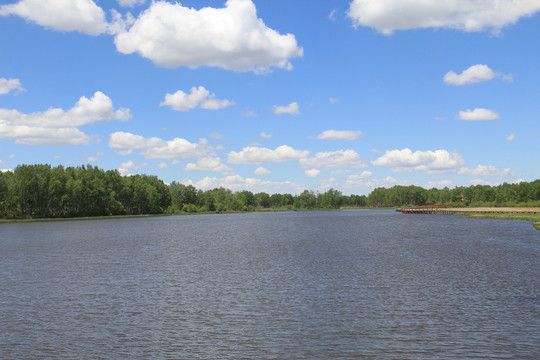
(41, 191)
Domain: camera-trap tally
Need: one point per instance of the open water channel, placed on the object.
(293, 285)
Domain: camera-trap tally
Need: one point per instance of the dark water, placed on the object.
(295, 285)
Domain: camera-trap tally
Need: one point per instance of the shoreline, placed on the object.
(506, 213)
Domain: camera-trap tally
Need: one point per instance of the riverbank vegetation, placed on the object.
(42, 191)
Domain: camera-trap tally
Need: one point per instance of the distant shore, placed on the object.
(504, 213)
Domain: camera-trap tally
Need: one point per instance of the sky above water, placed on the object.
(275, 95)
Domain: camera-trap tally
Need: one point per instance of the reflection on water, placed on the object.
(294, 285)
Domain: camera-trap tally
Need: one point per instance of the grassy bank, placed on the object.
(535, 218)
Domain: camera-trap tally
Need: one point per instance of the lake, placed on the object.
(289, 285)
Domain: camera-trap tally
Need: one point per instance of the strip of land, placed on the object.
(506, 213)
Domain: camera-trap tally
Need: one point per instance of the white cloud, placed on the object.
(438, 161)
(474, 74)
(365, 182)
(232, 38)
(292, 109)
(156, 148)
(334, 160)
(259, 155)
(130, 3)
(216, 135)
(249, 113)
(74, 15)
(333, 100)
(209, 164)
(482, 170)
(7, 85)
(388, 16)
(332, 15)
(57, 126)
(262, 171)
(94, 158)
(312, 172)
(339, 135)
(511, 137)
(478, 114)
(130, 165)
(237, 183)
(198, 96)
(265, 135)
(2, 163)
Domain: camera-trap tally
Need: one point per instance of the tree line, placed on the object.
(42, 191)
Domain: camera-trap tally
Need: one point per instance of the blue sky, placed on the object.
(275, 95)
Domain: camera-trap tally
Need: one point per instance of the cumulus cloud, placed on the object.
(339, 135)
(262, 171)
(7, 85)
(265, 135)
(388, 16)
(232, 38)
(334, 160)
(511, 137)
(75, 15)
(209, 164)
(238, 183)
(482, 170)
(292, 109)
(57, 126)
(478, 114)
(438, 161)
(129, 165)
(260, 155)
(156, 148)
(474, 74)
(312, 172)
(198, 97)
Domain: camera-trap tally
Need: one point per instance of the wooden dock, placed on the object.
(450, 210)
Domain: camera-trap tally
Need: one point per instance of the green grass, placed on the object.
(535, 218)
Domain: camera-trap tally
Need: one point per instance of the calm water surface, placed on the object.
(294, 285)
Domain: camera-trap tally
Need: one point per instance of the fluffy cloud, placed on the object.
(292, 109)
(259, 155)
(474, 74)
(339, 135)
(130, 165)
(511, 137)
(482, 170)
(334, 160)
(477, 114)
(7, 85)
(312, 172)
(438, 161)
(265, 135)
(232, 37)
(209, 164)
(57, 126)
(262, 171)
(156, 148)
(74, 15)
(237, 183)
(468, 15)
(199, 96)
